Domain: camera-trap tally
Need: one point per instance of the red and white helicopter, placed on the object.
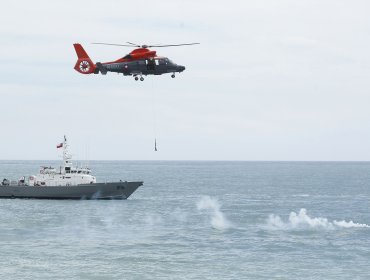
(138, 63)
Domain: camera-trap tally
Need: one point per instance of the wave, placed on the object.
(301, 220)
(218, 219)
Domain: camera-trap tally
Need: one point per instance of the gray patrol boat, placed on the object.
(67, 182)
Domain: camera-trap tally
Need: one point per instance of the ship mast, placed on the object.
(66, 155)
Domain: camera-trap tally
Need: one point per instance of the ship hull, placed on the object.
(113, 190)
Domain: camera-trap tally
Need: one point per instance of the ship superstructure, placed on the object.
(65, 175)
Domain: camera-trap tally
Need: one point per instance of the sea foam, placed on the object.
(302, 220)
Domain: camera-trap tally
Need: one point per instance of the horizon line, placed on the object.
(193, 160)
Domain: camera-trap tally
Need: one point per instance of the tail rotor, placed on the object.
(84, 64)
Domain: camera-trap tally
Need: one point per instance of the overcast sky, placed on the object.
(271, 80)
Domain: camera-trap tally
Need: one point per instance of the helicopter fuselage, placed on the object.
(146, 66)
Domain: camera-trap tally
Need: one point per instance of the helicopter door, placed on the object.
(161, 66)
(150, 63)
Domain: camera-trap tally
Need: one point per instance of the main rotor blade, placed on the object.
(136, 45)
(173, 45)
(132, 45)
(120, 45)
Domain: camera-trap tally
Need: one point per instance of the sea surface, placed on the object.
(195, 220)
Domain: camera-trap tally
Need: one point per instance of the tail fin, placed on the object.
(84, 64)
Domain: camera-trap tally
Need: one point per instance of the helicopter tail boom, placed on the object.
(84, 64)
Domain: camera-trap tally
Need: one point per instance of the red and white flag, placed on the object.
(60, 145)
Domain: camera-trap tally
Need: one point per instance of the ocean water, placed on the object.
(196, 220)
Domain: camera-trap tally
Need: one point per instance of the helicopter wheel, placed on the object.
(141, 79)
(173, 76)
(136, 78)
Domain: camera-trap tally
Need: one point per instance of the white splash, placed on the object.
(304, 221)
(218, 219)
(350, 224)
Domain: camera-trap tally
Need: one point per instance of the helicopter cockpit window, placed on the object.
(156, 61)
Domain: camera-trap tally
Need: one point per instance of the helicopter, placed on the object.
(138, 63)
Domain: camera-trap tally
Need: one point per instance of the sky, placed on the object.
(271, 80)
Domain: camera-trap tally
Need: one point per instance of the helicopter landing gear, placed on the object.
(137, 78)
(173, 75)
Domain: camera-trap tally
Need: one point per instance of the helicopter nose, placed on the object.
(181, 68)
